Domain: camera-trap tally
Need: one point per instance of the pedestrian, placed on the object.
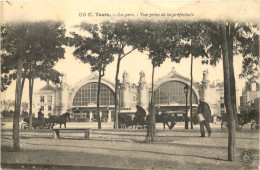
(204, 109)
(40, 114)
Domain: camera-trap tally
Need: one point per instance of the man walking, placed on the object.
(204, 109)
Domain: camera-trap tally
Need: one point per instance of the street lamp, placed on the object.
(119, 101)
(186, 90)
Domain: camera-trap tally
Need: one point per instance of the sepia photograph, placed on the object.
(130, 84)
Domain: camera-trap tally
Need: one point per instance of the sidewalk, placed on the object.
(176, 149)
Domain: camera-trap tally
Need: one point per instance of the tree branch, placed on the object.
(127, 53)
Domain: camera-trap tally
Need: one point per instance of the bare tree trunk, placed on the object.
(98, 93)
(227, 92)
(18, 98)
(230, 41)
(116, 90)
(31, 82)
(23, 81)
(191, 82)
(150, 136)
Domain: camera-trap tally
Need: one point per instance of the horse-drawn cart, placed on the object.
(36, 123)
(251, 118)
(46, 123)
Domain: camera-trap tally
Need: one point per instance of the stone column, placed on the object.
(204, 83)
(90, 115)
(143, 92)
(109, 116)
(125, 86)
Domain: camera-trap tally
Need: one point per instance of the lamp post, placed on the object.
(186, 90)
(119, 101)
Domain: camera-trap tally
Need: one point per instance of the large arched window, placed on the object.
(173, 92)
(87, 94)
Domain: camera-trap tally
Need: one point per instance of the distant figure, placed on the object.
(140, 112)
(205, 110)
(139, 115)
(40, 114)
(214, 119)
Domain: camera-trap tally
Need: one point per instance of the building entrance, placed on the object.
(90, 115)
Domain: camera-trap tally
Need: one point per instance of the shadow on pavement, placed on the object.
(129, 150)
(44, 166)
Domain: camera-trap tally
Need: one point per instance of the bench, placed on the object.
(87, 131)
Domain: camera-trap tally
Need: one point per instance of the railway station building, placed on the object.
(80, 100)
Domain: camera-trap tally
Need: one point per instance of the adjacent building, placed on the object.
(250, 96)
(45, 99)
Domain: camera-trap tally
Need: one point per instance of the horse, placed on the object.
(164, 118)
(125, 120)
(139, 120)
(62, 119)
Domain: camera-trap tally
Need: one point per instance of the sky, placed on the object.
(73, 13)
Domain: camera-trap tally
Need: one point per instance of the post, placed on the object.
(56, 134)
(191, 79)
(101, 115)
(186, 89)
(109, 116)
(88, 134)
(186, 116)
(90, 115)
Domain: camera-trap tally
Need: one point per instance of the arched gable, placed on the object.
(162, 81)
(92, 79)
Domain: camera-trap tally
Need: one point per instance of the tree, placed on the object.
(120, 34)
(193, 45)
(160, 43)
(239, 38)
(96, 49)
(242, 38)
(43, 56)
(230, 38)
(213, 41)
(248, 41)
(13, 45)
(227, 93)
(22, 44)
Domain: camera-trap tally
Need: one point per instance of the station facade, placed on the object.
(169, 96)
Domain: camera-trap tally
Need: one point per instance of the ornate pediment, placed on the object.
(174, 75)
(93, 78)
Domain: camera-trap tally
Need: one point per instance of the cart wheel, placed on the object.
(24, 126)
(254, 126)
(224, 125)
